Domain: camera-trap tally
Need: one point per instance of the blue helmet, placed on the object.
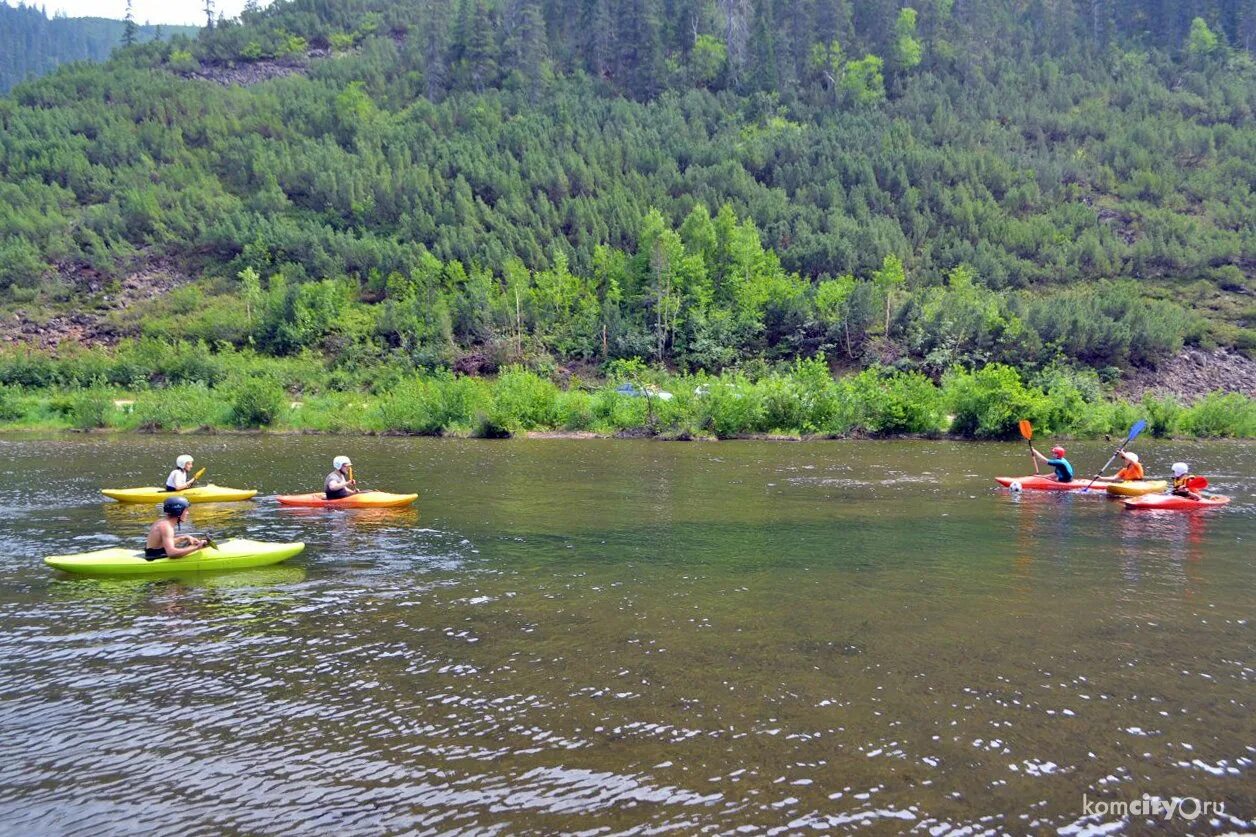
(175, 506)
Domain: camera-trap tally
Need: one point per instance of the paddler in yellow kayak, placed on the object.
(181, 477)
(162, 541)
(340, 482)
(1133, 470)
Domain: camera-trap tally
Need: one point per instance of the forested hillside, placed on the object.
(32, 44)
(696, 183)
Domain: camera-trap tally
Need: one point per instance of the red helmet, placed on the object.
(1057, 451)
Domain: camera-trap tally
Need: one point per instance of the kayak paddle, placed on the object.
(1134, 431)
(1197, 483)
(1027, 430)
(196, 476)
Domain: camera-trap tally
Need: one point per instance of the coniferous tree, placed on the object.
(525, 46)
(482, 49)
(597, 37)
(640, 49)
(130, 29)
(435, 50)
(764, 74)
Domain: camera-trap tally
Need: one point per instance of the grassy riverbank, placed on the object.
(148, 386)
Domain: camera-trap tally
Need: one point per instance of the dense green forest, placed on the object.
(701, 184)
(32, 44)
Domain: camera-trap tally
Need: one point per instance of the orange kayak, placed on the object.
(365, 500)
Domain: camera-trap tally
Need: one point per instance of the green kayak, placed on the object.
(234, 554)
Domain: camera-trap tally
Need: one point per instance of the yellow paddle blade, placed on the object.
(197, 475)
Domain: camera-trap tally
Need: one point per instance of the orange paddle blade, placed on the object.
(1026, 429)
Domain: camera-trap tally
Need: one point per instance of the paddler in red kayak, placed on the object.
(340, 482)
(1132, 471)
(1181, 481)
(1063, 470)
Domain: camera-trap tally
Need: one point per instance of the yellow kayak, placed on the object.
(1136, 488)
(200, 494)
(228, 555)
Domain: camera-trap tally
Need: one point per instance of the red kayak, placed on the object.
(1041, 483)
(1174, 502)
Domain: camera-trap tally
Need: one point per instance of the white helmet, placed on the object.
(1180, 469)
(1132, 457)
(340, 461)
(183, 461)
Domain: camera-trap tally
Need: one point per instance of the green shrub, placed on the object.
(1120, 417)
(782, 408)
(28, 369)
(12, 406)
(430, 406)
(523, 400)
(1221, 415)
(177, 408)
(91, 409)
(894, 402)
(988, 403)
(336, 412)
(257, 403)
(1164, 415)
(488, 427)
(731, 406)
(575, 410)
(613, 411)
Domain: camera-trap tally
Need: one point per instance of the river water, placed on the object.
(616, 636)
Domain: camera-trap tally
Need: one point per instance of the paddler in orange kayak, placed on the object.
(340, 482)
(1182, 477)
(1132, 471)
(1063, 470)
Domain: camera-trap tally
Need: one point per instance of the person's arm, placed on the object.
(168, 541)
(336, 483)
(1038, 455)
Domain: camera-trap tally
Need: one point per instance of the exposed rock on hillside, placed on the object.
(1193, 374)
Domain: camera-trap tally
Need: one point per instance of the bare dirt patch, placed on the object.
(245, 74)
(88, 323)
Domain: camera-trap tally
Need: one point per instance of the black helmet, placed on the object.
(175, 506)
